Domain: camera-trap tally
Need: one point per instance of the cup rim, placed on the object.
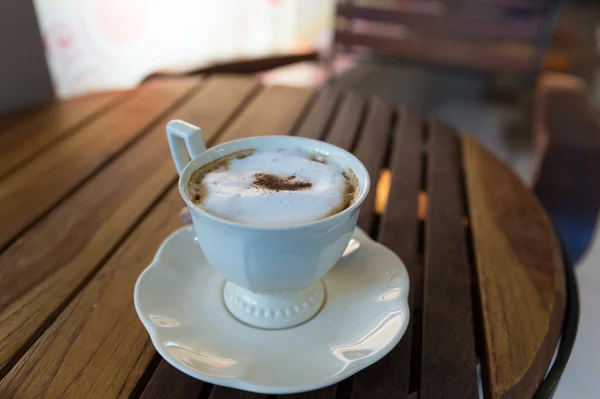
(357, 203)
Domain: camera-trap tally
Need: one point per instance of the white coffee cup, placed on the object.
(273, 273)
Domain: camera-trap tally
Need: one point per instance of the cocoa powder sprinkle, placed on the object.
(273, 182)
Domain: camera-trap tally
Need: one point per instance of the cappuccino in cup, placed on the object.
(272, 215)
(272, 187)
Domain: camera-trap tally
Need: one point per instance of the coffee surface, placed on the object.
(271, 188)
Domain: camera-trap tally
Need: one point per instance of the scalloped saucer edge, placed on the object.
(179, 300)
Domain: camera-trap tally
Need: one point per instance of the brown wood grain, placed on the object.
(389, 377)
(347, 121)
(97, 347)
(168, 382)
(72, 241)
(70, 329)
(520, 276)
(371, 149)
(320, 115)
(87, 368)
(448, 360)
(52, 122)
(32, 189)
(274, 111)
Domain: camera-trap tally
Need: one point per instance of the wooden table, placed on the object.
(87, 194)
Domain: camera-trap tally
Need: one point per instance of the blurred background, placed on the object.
(522, 76)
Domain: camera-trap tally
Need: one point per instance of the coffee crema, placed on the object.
(274, 187)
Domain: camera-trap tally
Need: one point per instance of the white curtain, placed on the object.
(94, 45)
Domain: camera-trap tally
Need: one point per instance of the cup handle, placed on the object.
(186, 142)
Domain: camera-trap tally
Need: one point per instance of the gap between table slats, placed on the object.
(75, 240)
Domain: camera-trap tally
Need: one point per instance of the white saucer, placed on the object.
(179, 299)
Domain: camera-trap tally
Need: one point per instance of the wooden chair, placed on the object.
(489, 35)
(567, 134)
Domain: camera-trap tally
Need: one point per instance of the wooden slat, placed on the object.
(389, 377)
(445, 52)
(72, 241)
(448, 361)
(347, 121)
(489, 28)
(168, 382)
(52, 122)
(31, 190)
(274, 111)
(320, 114)
(520, 276)
(97, 347)
(371, 149)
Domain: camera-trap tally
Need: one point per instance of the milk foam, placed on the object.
(231, 194)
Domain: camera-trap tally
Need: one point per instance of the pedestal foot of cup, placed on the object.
(274, 309)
